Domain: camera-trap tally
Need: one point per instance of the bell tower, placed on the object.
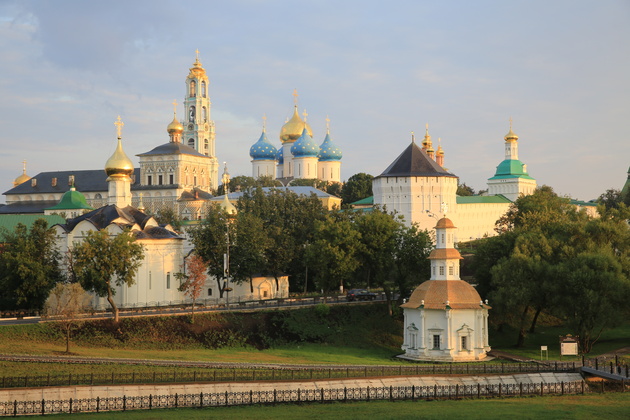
(198, 127)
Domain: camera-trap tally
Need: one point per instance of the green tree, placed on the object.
(64, 304)
(168, 216)
(411, 264)
(210, 240)
(248, 255)
(333, 253)
(357, 187)
(29, 266)
(289, 223)
(464, 190)
(612, 198)
(102, 261)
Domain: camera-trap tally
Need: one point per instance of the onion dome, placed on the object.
(72, 200)
(440, 151)
(305, 146)
(227, 207)
(511, 136)
(292, 129)
(329, 150)
(22, 178)
(197, 71)
(119, 164)
(280, 156)
(175, 126)
(263, 149)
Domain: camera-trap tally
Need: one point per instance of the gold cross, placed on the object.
(174, 107)
(264, 122)
(510, 123)
(295, 96)
(305, 114)
(119, 125)
(197, 54)
(24, 165)
(327, 124)
(413, 137)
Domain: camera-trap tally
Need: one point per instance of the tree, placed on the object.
(64, 304)
(333, 253)
(29, 266)
(411, 264)
(248, 255)
(357, 187)
(102, 262)
(194, 280)
(168, 216)
(210, 240)
(464, 190)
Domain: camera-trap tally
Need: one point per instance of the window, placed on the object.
(436, 341)
(71, 180)
(191, 114)
(149, 180)
(464, 343)
(203, 89)
(170, 179)
(54, 182)
(450, 270)
(264, 293)
(191, 142)
(209, 292)
(193, 87)
(441, 270)
(204, 114)
(168, 280)
(159, 179)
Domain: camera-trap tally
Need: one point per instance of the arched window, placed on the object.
(203, 89)
(191, 142)
(193, 88)
(204, 113)
(191, 114)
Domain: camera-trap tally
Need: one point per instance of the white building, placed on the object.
(416, 185)
(445, 319)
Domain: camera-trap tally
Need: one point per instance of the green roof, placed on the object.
(511, 168)
(364, 202)
(10, 221)
(72, 200)
(481, 199)
(583, 203)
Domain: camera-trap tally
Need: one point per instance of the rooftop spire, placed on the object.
(295, 97)
(264, 118)
(327, 125)
(119, 125)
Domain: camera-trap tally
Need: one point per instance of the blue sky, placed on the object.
(379, 70)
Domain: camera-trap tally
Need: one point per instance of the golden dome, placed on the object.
(175, 126)
(444, 223)
(22, 178)
(511, 136)
(292, 129)
(197, 71)
(119, 164)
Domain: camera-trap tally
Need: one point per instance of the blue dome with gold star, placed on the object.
(305, 146)
(263, 149)
(329, 150)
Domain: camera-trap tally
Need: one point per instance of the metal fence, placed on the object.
(277, 374)
(214, 399)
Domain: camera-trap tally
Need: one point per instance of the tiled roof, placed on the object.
(413, 161)
(27, 207)
(482, 199)
(94, 180)
(435, 293)
(173, 148)
(445, 254)
(10, 221)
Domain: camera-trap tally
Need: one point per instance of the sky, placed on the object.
(379, 71)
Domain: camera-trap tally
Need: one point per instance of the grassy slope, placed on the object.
(609, 406)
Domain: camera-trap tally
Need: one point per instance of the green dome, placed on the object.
(72, 200)
(511, 168)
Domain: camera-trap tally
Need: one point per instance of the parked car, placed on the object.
(359, 294)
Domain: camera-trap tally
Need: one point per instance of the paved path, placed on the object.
(84, 392)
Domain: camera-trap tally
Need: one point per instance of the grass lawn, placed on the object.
(610, 406)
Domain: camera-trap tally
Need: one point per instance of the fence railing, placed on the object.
(212, 399)
(277, 374)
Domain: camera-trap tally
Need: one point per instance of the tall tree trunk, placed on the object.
(251, 285)
(532, 328)
(388, 296)
(520, 342)
(110, 299)
(192, 312)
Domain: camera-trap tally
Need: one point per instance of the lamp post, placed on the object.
(230, 213)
